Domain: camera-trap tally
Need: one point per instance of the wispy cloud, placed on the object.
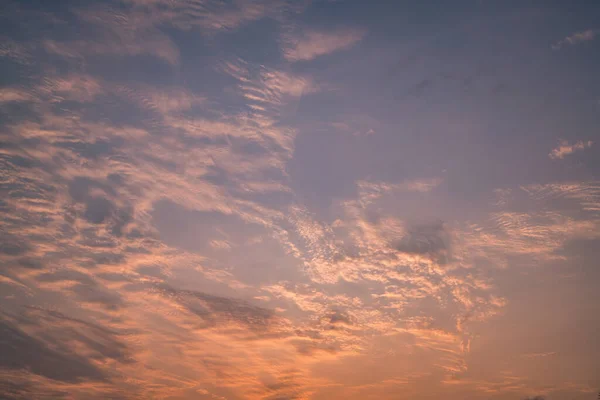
(312, 44)
(564, 149)
(156, 242)
(539, 355)
(576, 38)
(210, 15)
(14, 51)
(585, 194)
(136, 30)
(120, 39)
(13, 95)
(370, 191)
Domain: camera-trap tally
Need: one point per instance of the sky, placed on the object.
(301, 199)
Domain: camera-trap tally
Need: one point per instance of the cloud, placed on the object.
(313, 44)
(564, 149)
(106, 32)
(586, 194)
(576, 38)
(533, 238)
(10, 95)
(163, 100)
(52, 89)
(370, 191)
(267, 90)
(21, 351)
(81, 88)
(158, 46)
(280, 82)
(82, 191)
(15, 51)
(212, 16)
(219, 310)
(428, 239)
(62, 348)
(154, 245)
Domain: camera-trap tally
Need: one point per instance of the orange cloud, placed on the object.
(564, 149)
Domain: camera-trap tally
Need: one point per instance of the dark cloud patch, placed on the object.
(248, 147)
(122, 217)
(135, 234)
(113, 277)
(339, 318)
(80, 187)
(90, 151)
(31, 263)
(421, 87)
(107, 258)
(92, 238)
(137, 250)
(120, 112)
(106, 348)
(204, 141)
(309, 347)
(95, 293)
(85, 287)
(66, 275)
(283, 387)
(104, 341)
(430, 239)
(21, 351)
(154, 271)
(217, 176)
(137, 286)
(14, 161)
(12, 246)
(26, 189)
(116, 179)
(213, 309)
(168, 165)
(98, 209)
(23, 390)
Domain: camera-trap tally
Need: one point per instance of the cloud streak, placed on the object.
(576, 38)
(312, 44)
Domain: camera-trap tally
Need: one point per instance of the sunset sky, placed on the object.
(302, 199)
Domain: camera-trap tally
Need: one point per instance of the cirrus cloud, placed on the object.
(576, 38)
(313, 44)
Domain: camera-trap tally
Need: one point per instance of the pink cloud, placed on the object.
(314, 44)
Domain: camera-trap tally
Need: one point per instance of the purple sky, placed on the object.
(313, 199)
